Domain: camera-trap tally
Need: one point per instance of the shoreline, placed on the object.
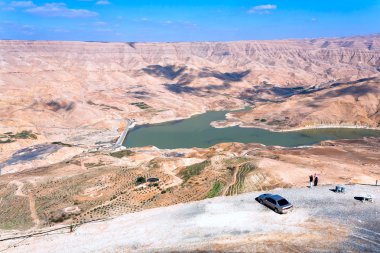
(232, 121)
(216, 124)
(324, 126)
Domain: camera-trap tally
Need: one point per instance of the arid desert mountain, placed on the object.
(63, 105)
(80, 92)
(339, 104)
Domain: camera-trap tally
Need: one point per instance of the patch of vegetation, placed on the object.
(24, 135)
(263, 120)
(193, 170)
(153, 164)
(104, 106)
(140, 180)
(216, 190)
(6, 141)
(236, 160)
(61, 143)
(141, 105)
(10, 137)
(15, 213)
(122, 153)
(58, 216)
(240, 178)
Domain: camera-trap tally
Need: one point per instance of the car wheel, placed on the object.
(276, 210)
(260, 201)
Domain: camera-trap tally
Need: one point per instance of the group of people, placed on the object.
(313, 179)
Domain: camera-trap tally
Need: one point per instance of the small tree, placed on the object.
(140, 180)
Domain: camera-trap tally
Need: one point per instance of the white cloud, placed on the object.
(103, 30)
(60, 10)
(103, 2)
(263, 9)
(8, 8)
(27, 29)
(60, 30)
(22, 4)
(100, 23)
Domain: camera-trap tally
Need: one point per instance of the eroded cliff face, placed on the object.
(79, 91)
(292, 61)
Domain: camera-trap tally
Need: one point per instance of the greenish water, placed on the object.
(197, 132)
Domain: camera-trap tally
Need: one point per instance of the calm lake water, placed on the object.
(197, 132)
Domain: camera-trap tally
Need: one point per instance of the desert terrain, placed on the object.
(63, 105)
(81, 92)
(97, 185)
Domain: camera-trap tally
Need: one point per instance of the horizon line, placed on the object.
(202, 41)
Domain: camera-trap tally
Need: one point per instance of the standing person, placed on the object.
(311, 180)
(315, 180)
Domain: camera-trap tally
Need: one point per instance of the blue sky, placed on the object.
(176, 20)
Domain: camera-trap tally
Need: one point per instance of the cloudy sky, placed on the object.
(186, 20)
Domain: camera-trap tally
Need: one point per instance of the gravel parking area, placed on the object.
(322, 220)
(361, 218)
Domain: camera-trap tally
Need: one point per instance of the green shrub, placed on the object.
(140, 180)
(24, 135)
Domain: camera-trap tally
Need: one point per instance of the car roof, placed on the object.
(276, 197)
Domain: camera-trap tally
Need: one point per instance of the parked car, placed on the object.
(275, 202)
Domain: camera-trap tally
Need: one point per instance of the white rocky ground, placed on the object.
(321, 220)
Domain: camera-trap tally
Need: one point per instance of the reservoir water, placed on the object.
(197, 132)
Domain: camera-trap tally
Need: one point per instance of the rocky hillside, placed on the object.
(354, 103)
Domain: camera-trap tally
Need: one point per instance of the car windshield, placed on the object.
(283, 202)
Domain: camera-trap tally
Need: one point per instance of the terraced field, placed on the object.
(238, 184)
